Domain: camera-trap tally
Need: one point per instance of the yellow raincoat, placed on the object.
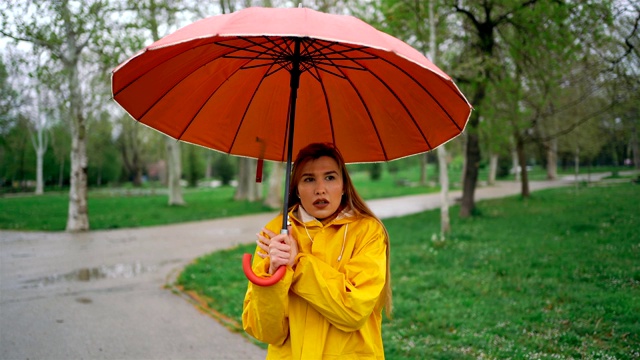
(329, 305)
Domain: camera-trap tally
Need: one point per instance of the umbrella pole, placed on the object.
(293, 97)
(294, 84)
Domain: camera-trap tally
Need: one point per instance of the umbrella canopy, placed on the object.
(232, 83)
(224, 83)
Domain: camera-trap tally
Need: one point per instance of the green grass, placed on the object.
(556, 276)
(137, 207)
(129, 207)
(109, 211)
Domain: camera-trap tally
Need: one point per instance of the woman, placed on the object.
(329, 303)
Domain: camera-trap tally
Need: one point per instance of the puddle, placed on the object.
(125, 271)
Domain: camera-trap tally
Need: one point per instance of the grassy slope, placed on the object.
(556, 276)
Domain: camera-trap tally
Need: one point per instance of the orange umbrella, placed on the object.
(241, 83)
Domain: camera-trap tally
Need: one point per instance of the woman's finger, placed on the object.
(264, 247)
(269, 233)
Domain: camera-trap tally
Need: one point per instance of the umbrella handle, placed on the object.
(246, 266)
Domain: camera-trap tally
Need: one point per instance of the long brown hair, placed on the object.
(351, 198)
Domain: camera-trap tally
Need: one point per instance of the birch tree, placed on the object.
(420, 27)
(65, 29)
(158, 17)
(39, 135)
(445, 223)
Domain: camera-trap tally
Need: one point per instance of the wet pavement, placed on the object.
(102, 294)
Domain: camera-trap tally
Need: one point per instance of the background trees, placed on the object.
(556, 83)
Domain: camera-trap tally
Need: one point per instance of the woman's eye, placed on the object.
(330, 177)
(307, 179)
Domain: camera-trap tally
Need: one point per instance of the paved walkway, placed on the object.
(101, 294)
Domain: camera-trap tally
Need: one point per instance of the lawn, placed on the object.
(130, 207)
(556, 276)
(122, 209)
(111, 208)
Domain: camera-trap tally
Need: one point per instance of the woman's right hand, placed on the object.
(282, 249)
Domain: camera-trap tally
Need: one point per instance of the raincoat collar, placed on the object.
(302, 216)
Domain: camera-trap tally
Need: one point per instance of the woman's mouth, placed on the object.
(321, 203)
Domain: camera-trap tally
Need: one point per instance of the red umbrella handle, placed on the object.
(246, 266)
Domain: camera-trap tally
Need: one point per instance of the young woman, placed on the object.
(329, 303)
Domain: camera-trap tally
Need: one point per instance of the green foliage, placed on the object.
(193, 163)
(224, 169)
(555, 276)
(375, 171)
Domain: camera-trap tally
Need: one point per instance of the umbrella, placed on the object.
(265, 82)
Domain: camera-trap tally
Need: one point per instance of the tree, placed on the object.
(151, 15)
(9, 102)
(248, 188)
(224, 169)
(445, 222)
(39, 136)
(507, 39)
(104, 156)
(274, 193)
(420, 28)
(132, 141)
(66, 30)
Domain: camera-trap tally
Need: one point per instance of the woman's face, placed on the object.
(320, 187)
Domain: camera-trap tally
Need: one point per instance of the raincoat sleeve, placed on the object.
(345, 298)
(265, 309)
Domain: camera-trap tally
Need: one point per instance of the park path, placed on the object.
(102, 295)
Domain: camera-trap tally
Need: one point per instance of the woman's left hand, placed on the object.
(282, 249)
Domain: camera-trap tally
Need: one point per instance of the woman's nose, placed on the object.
(320, 188)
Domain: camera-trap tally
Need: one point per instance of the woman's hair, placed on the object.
(350, 200)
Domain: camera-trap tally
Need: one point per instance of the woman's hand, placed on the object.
(282, 249)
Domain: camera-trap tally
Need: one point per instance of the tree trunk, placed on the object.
(522, 162)
(515, 163)
(137, 178)
(174, 172)
(471, 168)
(248, 188)
(208, 172)
(472, 155)
(274, 195)
(635, 147)
(445, 223)
(615, 159)
(78, 216)
(493, 168)
(61, 174)
(39, 177)
(576, 164)
(39, 142)
(424, 162)
(552, 159)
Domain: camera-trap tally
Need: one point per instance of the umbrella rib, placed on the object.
(415, 123)
(428, 92)
(160, 64)
(364, 104)
(326, 101)
(193, 118)
(246, 109)
(267, 51)
(321, 61)
(174, 86)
